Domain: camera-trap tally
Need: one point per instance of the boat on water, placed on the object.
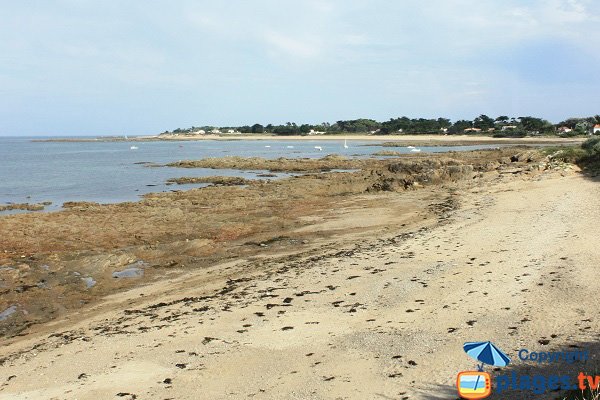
(134, 148)
(345, 144)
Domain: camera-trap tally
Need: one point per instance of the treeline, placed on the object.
(499, 126)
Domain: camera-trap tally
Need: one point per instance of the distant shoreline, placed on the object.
(433, 140)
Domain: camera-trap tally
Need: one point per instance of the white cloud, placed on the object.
(413, 55)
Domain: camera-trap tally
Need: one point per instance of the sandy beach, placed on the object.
(307, 200)
(404, 140)
(361, 285)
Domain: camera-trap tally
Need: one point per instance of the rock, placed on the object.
(8, 312)
(80, 204)
(133, 270)
(23, 206)
(128, 273)
(89, 282)
(215, 180)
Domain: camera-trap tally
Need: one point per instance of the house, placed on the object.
(215, 131)
(472, 130)
(313, 132)
(564, 129)
(199, 132)
(507, 127)
(444, 130)
(596, 129)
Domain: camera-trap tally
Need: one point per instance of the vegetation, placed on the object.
(502, 126)
(568, 154)
(587, 394)
(587, 156)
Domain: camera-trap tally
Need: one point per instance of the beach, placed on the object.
(400, 140)
(329, 285)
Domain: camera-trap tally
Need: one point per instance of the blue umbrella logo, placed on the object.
(486, 353)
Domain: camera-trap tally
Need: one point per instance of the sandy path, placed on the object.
(366, 321)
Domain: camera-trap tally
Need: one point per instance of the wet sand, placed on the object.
(356, 286)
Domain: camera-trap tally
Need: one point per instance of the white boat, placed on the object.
(415, 150)
(134, 148)
(289, 147)
(345, 144)
(319, 148)
(268, 147)
(410, 147)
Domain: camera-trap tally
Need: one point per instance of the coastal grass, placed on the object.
(587, 155)
(587, 394)
(568, 154)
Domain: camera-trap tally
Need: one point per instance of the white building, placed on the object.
(596, 129)
(564, 129)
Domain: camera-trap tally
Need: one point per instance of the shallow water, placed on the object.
(134, 270)
(109, 172)
(128, 273)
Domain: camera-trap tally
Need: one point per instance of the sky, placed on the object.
(91, 67)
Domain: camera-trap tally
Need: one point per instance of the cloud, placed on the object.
(226, 62)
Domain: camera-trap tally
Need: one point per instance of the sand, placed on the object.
(379, 310)
(404, 140)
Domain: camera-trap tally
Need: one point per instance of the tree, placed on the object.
(305, 128)
(582, 127)
(444, 123)
(535, 125)
(258, 128)
(483, 122)
(460, 126)
(502, 120)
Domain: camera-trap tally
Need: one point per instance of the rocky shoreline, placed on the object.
(215, 180)
(56, 263)
(327, 163)
(25, 206)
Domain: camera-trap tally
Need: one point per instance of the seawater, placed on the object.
(110, 172)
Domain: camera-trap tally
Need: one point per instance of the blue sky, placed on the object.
(71, 67)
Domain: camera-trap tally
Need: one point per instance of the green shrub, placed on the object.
(592, 147)
(568, 154)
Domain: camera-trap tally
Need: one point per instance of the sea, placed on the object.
(33, 171)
